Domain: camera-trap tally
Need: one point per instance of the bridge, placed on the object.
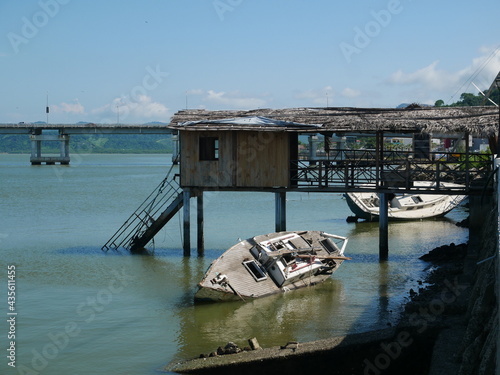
(40, 132)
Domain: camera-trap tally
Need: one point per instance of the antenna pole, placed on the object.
(47, 108)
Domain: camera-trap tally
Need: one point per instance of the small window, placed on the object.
(209, 148)
(255, 270)
(417, 199)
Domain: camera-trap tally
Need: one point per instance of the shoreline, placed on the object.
(442, 330)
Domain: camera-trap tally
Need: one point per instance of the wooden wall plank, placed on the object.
(246, 159)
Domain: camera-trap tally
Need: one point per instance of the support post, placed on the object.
(36, 147)
(280, 205)
(187, 223)
(467, 158)
(64, 148)
(200, 224)
(379, 156)
(384, 228)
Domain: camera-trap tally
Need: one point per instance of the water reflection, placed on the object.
(274, 320)
(363, 294)
(383, 292)
(404, 236)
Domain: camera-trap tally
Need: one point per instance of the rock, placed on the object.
(230, 348)
(446, 253)
(254, 344)
(294, 345)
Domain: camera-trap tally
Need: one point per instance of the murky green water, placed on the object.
(81, 311)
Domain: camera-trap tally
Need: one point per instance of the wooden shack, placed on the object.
(235, 160)
(239, 153)
(245, 150)
(258, 150)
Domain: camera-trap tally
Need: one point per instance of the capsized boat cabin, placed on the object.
(270, 264)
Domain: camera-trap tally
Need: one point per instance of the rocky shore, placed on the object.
(449, 327)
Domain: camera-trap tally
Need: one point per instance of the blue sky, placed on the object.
(140, 61)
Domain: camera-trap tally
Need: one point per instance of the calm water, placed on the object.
(81, 311)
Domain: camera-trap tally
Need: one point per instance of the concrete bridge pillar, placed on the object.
(37, 137)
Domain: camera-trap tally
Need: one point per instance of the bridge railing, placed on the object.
(351, 169)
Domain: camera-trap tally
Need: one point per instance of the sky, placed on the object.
(131, 61)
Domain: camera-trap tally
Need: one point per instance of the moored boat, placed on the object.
(366, 205)
(272, 263)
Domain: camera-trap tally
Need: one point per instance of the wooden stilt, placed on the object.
(384, 228)
(187, 223)
(280, 216)
(200, 224)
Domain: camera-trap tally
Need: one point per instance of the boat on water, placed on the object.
(272, 263)
(366, 205)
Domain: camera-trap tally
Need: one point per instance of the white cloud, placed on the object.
(234, 99)
(75, 108)
(350, 93)
(141, 109)
(320, 97)
(482, 70)
(195, 92)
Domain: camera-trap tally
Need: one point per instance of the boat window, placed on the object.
(255, 270)
(416, 199)
(329, 245)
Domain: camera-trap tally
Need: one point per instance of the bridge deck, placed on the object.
(90, 128)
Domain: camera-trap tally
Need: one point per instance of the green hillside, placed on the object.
(92, 143)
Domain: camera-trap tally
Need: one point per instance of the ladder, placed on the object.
(148, 219)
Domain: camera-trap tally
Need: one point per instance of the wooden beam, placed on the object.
(200, 224)
(384, 228)
(187, 223)
(280, 208)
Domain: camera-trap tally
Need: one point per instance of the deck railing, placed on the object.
(352, 169)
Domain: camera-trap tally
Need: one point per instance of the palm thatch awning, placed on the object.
(478, 121)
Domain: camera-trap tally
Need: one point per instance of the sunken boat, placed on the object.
(270, 264)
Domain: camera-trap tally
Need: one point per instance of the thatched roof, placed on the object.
(479, 121)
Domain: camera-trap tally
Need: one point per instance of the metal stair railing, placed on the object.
(164, 196)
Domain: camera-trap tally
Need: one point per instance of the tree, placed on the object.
(469, 100)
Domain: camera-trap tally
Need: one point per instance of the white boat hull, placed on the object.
(365, 205)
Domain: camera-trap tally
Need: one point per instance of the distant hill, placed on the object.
(94, 143)
(404, 105)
